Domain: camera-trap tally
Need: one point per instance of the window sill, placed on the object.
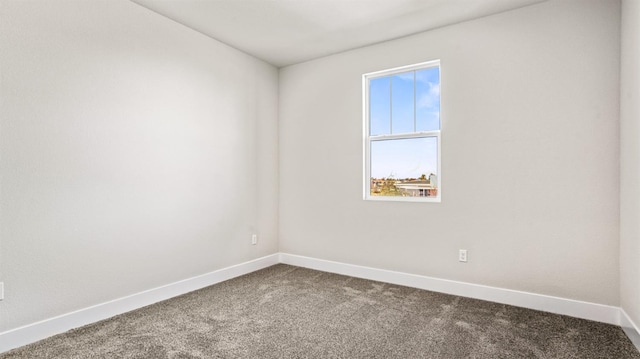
(403, 199)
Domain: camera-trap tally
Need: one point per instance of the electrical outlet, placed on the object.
(254, 239)
(462, 255)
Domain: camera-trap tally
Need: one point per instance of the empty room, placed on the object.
(320, 179)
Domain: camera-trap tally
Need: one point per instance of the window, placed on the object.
(402, 133)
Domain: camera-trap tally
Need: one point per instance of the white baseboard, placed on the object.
(602, 313)
(37, 331)
(570, 307)
(630, 328)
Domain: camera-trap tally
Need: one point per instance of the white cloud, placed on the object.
(434, 89)
(407, 76)
(431, 97)
(424, 76)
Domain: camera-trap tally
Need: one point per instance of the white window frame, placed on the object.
(367, 138)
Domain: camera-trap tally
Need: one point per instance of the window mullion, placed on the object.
(414, 102)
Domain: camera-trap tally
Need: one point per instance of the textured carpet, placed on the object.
(291, 312)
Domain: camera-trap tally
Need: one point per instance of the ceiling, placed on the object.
(285, 32)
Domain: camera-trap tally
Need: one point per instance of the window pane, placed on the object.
(405, 167)
(380, 106)
(402, 103)
(428, 99)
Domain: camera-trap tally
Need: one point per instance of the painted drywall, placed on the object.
(630, 160)
(135, 153)
(530, 175)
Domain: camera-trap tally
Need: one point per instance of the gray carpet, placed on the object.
(291, 312)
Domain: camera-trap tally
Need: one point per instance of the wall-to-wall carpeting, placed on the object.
(291, 312)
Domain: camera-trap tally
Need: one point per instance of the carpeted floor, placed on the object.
(291, 312)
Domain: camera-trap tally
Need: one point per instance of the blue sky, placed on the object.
(406, 158)
(392, 107)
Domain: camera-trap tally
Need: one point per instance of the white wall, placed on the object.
(530, 176)
(135, 153)
(630, 161)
